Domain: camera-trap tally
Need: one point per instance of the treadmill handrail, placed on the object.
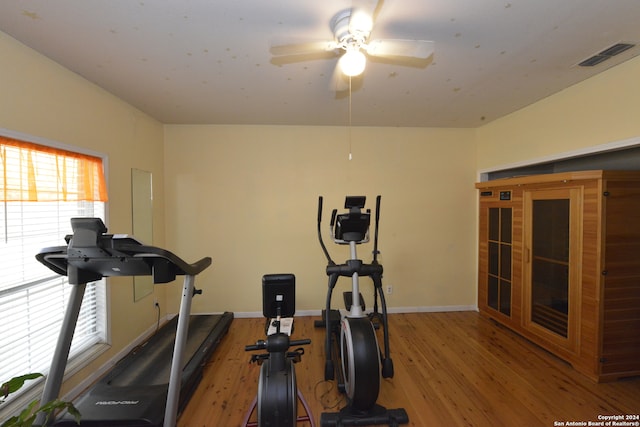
(92, 254)
(56, 256)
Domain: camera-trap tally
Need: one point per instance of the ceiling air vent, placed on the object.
(606, 54)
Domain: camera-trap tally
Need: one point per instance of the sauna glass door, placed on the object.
(552, 259)
(499, 258)
(550, 265)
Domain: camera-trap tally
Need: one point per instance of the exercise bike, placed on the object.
(359, 356)
(278, 394)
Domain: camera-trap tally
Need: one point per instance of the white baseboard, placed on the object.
(424, 309)
(254, 314)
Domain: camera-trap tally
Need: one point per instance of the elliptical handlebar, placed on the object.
(334, 213)
(375, 236)
(324, 248)
(319, 209)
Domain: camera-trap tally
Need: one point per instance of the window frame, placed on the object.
(32, 391)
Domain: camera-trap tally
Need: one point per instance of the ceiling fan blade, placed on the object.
(302, 47)
(421, 49)
(306, 57)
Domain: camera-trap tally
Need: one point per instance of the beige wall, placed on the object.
(247, 197)
(601, 110)
(42, 99)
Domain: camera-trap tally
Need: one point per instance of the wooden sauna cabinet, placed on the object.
(559, 263)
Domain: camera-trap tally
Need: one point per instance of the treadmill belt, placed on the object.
(151, 364)
(134, 392)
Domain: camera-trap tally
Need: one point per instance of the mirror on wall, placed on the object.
(142, 220)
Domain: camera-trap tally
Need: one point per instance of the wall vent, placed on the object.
(607, 53)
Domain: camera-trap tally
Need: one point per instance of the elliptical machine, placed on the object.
(359, 356)
(278, 394)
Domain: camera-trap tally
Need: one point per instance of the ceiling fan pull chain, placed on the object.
(350, 145)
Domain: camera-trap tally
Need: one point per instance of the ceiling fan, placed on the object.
(352, 44)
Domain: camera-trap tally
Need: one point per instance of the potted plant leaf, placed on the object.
(28, 415)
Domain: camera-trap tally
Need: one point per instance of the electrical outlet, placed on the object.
(155, 302)
(389, 289)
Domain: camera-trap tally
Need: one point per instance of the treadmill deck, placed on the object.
(134, 392)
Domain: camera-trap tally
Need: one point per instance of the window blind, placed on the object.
(32, 297)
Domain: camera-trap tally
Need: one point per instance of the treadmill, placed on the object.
(152, 384)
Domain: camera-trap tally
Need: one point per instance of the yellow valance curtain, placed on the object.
(32, 172)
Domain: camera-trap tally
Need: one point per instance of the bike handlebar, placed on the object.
(262, 344)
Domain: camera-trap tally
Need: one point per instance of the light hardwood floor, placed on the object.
(451, 369)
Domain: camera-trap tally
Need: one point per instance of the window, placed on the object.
(41, 189)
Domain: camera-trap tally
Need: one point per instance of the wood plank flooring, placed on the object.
(451, 369)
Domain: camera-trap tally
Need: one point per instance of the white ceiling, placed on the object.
(208, 61)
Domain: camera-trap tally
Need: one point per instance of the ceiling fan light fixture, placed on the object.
(352, 63)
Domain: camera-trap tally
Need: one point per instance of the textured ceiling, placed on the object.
(208, 61)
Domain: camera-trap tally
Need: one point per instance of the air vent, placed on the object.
(609, 52)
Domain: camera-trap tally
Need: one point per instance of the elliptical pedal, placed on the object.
(334, 317)
(378, 416)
